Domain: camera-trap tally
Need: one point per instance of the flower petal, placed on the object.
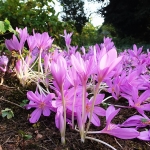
(144, 96)
(95, 120)
(35, 115)
(144, 135)
(46, 111)
(99, 111)
(99, 98)
(123, 133)
(135, 120)
(111, 113)
(32, 97)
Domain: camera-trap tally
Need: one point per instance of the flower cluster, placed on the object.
(73, 83)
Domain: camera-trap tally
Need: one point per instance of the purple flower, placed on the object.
(59, 71)
(41, 102)
(83, 68)
(135, 52)
(106, 63)
(23, 33)
(144, 135)
(115, 130)
(14, 44)
(137, 101)
(67, 38)
(3, 63)
(31, 43)
(73, 77)
(107, 43)
(43, 40)
(137, 121)
(59, 121)
(98, 111)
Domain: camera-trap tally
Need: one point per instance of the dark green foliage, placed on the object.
(74, 12)
(130, 18)
(33, 14)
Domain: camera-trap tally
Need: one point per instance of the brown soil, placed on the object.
(45, 136)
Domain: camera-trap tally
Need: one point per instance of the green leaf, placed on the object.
(27, 137)
(8, 26)
(2, 28)
(7, 113)
(4, 114)
(24, 135)
(24, 102)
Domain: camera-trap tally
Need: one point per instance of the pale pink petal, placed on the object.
(79, 66)
(114, 64)
(108, 58)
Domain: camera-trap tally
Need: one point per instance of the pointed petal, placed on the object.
(108, 58)
(114, 63)
(135, 120)
(145, 107)
(99, 98)
(144, 96)
(144, 135)
(35, 115)
(78, 65)
(46, 111)
(111, 113)
(123, 133)
(32, 97)
(48, 98)
(99, 111)
(95, 120)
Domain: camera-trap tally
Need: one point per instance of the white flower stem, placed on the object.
(64, 108)
(106, 99)
(97, 140)
(83, 112)
(92, 108)
(74, 101)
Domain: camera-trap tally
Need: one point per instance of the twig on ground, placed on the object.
(147, 144)
(20, 90)
(6, 141)
(1, 98)
(8, 87)
(97, 140)
(49, 139)
(118, 143)
(43, 147)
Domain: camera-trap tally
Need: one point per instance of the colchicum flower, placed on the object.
(41, 102)
(115, 130)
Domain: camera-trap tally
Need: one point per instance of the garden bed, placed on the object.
(45, 136)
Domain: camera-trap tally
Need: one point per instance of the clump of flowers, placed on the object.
(73, 82)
